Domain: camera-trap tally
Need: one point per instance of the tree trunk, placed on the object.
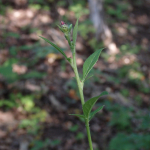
(102, 30)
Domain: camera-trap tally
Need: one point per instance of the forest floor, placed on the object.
(38, 91)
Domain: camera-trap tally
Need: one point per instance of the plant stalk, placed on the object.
(88, 133)
(80, 86)
(79, 83)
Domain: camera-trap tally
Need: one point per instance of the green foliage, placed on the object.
(130, 142)
(130, 49)
(40, 145)
(61, 3)
(38, 53)
(144, 122)
(113, 79)
(120, 119)
(71, 84)
(138, 99)
(133, 136)
(12, 34)
(88, 77)
(95, 74)
(77, 115)
(124, 117)
(79, 9)
(125, 92)
(63, 65)
(27, 102)
(8, 104)
(39, 6)
(55, 142)
(92, 114)
(144, 89)
(94, 43)
(80, 136)
(61, 51)
(90, 62)
(33, 74)
(87, 107)
(24, 102)
(74, 128)
(2, 8)
(27, 105)
(121, 141)
(41, 52)
(120, 115)
(7, 71)
(131, 72)
(36, 1)
(33, 123)
(85, 33)
(117, 9)
(26, 47)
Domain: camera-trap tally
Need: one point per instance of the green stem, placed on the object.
(80, 86)
(88, 133)
(79, 83)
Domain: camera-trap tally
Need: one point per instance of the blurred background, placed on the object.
(37, 88)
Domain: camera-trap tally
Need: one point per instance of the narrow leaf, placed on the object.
(87, 107)
(75, 31)
(92, 114)
(80, 116)
(55, 47)
(60, 28)
(88, 77)
(90, 62)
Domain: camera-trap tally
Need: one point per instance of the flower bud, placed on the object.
(65, 28)
(62, 23)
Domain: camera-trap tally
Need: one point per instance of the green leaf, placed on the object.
(88, 77)
(77, 115)
(55, 47)
(33, 74)
(75, 31)
(87, 107)
(92, 114)
(90, 62)
(6, 70)
(60, 28)
(70, 27)
(80, 136)
(74, 128)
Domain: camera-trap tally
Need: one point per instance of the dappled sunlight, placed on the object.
(61, 11)
(21, 18)
(6, 118)
(66, 75)
(112, 49)
(129, 59)
(79, 61)
(19, 69)
(122, 31)
(28, 16)
(79, 46)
